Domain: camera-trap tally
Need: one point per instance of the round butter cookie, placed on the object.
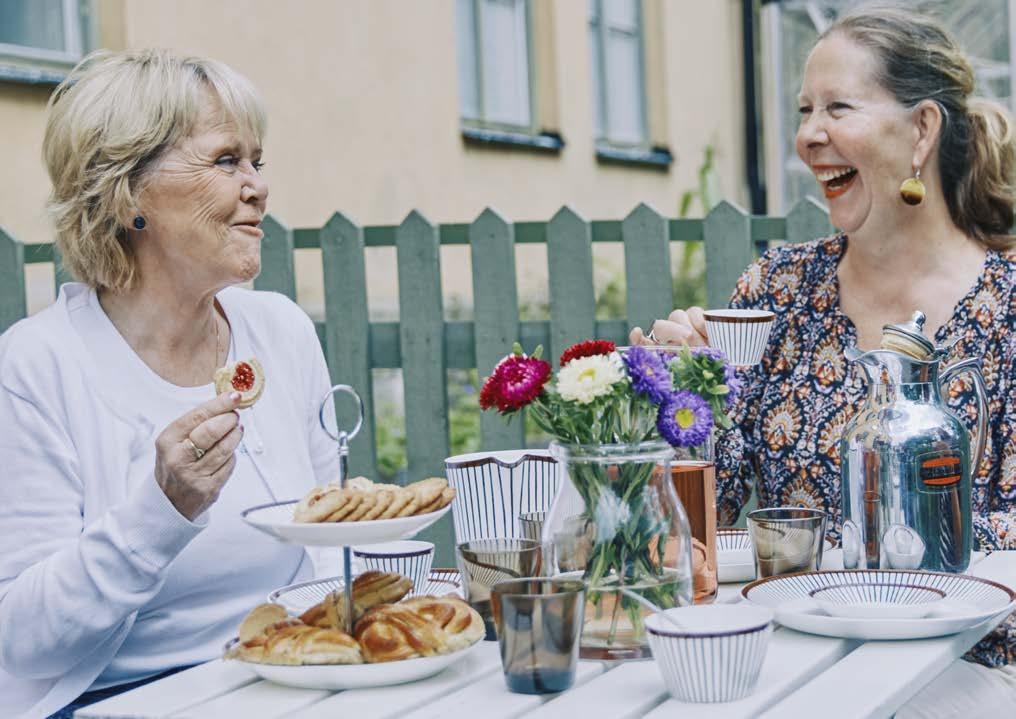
(245, 377)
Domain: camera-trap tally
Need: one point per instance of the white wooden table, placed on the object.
(802, 674)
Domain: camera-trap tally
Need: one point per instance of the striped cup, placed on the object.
(718, 657)
(741, 334)
(410, 558)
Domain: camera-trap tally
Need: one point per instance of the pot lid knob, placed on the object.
(908, 338)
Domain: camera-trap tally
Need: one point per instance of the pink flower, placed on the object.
(515, 382)
(588, 348)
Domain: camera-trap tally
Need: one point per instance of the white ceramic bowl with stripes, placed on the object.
(493, 488)
(719, 655)
(742, 335)
(968, 601)
(410, 558)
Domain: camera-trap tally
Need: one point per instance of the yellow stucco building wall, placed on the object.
(363, 110)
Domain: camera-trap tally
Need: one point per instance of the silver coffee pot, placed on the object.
(905, 458)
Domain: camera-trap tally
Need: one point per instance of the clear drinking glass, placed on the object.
(486, 562)
(786, 540)
(538, 622)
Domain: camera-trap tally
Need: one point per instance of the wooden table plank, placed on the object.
(174, 693)
(261, 700)
(628, 690)
(394, 701)
(792, 660)
(489, 698)
(879, 677)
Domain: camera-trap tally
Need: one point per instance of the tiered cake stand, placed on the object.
(277, 520)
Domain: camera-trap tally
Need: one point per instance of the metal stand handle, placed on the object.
(343, 438)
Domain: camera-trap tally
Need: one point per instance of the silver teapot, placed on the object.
(905, 458)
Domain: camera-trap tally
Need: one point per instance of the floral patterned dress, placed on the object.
(794, 406)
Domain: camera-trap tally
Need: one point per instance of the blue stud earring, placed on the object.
(139, 223)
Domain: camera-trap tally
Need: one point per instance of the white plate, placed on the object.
(968, 602)
(298, 598)
(354, 676)
(277, 520)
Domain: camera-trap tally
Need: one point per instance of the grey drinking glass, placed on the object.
(786, 540)
(538, 622)
(485, 562)
(531, 525)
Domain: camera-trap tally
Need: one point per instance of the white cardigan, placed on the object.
(86, 534)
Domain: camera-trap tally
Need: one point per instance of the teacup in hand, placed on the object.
(742, 335)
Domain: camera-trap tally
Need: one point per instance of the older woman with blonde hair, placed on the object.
(918, 174)
(122, 551)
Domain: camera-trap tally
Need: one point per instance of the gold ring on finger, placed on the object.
(198, 452)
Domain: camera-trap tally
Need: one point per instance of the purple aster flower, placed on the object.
(648, 375)
(685, 419)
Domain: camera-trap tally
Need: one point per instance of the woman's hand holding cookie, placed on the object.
(194, 455)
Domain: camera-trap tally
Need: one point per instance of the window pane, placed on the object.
(624, 83)
(469, 102)
(505, 63)
(622, 15)
(32, 23)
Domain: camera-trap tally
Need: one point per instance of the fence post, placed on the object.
(649, 287)
(729, 251)
(277, 272)
(424, 373)
(808, 220)
(347, 332)
(495, 314)
(570, 267)
(13, 302)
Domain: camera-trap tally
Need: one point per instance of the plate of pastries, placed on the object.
(361, 512)
(395, 638)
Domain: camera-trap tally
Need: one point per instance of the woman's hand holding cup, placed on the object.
(681, 327)
(194, 455)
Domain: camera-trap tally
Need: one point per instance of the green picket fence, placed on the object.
(424, 345)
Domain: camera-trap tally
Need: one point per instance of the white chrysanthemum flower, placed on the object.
(584, 379)
(611, 516)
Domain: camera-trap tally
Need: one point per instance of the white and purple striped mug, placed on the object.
(742, 335)
(410, 558)
(493, 488)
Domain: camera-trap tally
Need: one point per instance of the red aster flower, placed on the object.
(515, 382)
(587, 349)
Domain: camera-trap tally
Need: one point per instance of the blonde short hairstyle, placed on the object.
(109, 123)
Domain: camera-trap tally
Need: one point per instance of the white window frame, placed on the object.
(482, 122)
(600, 55)
(24, 62)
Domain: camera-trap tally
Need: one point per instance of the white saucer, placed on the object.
(968, 601)
(277, 520)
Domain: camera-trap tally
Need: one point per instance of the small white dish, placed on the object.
(877, 600)
(718, 657)
(337, 677)
(277, 520)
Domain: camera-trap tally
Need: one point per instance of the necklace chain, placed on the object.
(215, 359)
